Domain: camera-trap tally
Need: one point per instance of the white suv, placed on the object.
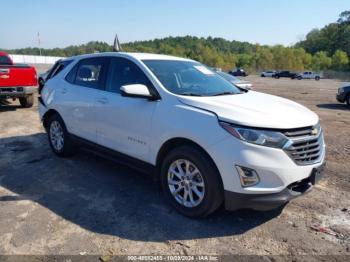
(208, 142)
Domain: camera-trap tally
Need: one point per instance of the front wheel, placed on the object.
(26, 101)
(348, 100)
(191, 182)
(299, 78)
(317, 78)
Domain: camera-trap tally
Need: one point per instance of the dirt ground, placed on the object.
(89, 205)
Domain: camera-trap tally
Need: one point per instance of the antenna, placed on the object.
(116, 46)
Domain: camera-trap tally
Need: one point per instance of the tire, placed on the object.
(59, 139)
(208, 177)
(26, 101)
(300, 78)
(317, 78)
(262, 75)
(277, 77)
(348, 99)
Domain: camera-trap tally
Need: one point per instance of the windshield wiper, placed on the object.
(189, 94)
(225, 93)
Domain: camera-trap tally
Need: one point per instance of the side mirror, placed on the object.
(136, 90)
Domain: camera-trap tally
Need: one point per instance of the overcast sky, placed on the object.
(66, 22)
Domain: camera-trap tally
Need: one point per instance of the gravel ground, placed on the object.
(88, 205)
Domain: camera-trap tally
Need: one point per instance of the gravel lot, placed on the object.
(88, 205)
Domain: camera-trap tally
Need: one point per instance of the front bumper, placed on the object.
(17, 91)
(265, 202)
(341, 97)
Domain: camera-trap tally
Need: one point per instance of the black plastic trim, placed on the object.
(115, 156)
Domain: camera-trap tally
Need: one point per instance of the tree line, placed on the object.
(326, 48)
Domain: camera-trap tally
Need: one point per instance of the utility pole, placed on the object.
(39, 43)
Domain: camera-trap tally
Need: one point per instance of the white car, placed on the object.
(208, 142)
(308, 75)
(268, 74)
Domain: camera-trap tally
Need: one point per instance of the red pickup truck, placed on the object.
(17, 81)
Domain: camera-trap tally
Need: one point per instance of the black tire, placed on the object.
(213, 193)
(68, 148)
(317, 78)
(277, 77)
(262, 75)
(300, 78)
(26, 101)
(348, 99)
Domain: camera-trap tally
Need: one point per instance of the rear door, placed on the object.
(76, 96)
(124, 123)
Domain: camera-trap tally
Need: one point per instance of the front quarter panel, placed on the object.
(176, 120)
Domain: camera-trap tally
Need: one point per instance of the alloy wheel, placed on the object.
(186, 183)
(56, 135)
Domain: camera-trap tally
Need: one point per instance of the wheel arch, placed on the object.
(47, 116)
(177, 142)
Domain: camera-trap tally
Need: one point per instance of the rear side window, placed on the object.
(124, 72)
(58, 67)
(88, 72)
(4, 60)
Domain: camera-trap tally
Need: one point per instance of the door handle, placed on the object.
(102, 100)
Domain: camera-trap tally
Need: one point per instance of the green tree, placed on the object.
(340, 60)
(321, 61)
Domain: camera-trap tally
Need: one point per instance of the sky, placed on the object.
(67, 22)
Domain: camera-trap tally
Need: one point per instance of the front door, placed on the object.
(124, 123)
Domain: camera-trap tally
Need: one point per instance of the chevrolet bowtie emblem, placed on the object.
(314, 131)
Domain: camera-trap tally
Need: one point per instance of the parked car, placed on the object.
(205, 140)
(343, 95)
(238, 72)
(308, 75)
(17, 81)
(236, 81)
(287, 74)
(54, 70)
(268, 74)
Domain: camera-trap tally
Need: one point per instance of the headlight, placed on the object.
(256, 136)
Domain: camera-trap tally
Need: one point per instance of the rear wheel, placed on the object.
(299, 78)
(348, 100)
(59, 139)
(27, 101)
(191, 182)
(317, 78)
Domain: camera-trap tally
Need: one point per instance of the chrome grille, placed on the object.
(305, 147)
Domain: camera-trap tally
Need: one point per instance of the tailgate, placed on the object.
(11, 76)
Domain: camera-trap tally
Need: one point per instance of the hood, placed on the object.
(255, 109)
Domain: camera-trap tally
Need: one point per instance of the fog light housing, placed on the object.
(248, 177)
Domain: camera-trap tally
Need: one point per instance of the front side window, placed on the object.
(190, 78)
(124, 72)
(90, 72)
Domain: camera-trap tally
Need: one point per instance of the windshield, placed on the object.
(229, 77)
(190, 78)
